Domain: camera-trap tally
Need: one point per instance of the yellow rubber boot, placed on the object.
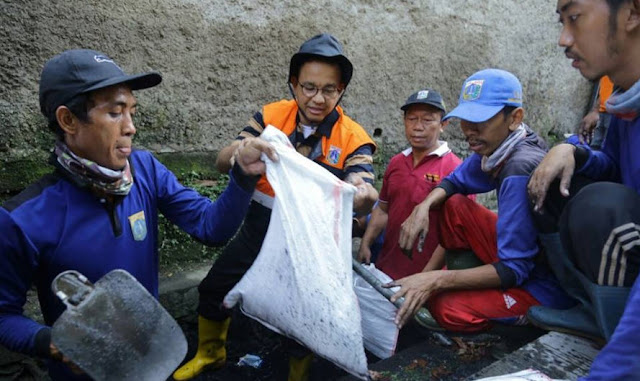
(299, 368)
(212, 337)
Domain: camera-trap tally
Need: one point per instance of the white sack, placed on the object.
(300, 284)
(523, 375)
(379, 331)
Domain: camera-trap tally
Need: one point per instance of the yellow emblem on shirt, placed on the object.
(138, 226)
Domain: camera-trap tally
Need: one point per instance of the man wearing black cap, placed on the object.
(98, 211)
(318, 76)
(408, 179)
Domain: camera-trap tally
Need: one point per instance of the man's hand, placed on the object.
(58, 356)
(247, 155)
(366, 195)
(416, 225)
(415, 289)
(558, 163)
(588, 123)
(364, 253)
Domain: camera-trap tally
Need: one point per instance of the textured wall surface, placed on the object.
(222, 60)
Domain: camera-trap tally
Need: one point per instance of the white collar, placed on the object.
(443, 149)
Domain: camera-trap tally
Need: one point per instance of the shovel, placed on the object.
(115, 329)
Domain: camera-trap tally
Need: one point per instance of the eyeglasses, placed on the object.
(310, 90)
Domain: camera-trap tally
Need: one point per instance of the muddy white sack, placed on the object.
(301, 283)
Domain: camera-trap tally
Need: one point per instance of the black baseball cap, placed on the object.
(79, 71)
(322, 45)
(426, 96)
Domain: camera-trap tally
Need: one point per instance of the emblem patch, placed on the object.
(138, 226)
(431, 177)
(423, 94)
(334, 155)
(472, 90)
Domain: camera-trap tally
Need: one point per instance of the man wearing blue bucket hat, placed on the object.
(318, 128)
(509, 280)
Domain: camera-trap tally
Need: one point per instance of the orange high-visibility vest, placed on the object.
(346, 136)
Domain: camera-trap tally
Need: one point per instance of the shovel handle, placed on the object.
(71, 287)
(422, 316)
(374, 282)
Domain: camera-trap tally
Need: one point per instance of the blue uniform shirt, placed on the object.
(67, 227)
(517, 235)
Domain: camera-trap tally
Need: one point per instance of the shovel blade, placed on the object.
(119, 331)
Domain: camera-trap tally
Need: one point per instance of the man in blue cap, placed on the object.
(98, 210)
(319, 74)
(510, 280)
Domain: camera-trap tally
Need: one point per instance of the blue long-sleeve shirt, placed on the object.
(59, 226)
(517, 235)
(619, 159)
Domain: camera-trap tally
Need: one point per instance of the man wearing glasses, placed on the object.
(318, 76)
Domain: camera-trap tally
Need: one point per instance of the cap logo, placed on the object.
(472, 89)
(423, 94)
(101, 59)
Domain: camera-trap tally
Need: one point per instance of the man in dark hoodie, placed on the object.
(510, 280)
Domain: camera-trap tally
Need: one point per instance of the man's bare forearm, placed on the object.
(481, 277)
(436, 197)
(376, 224)
(437, 260)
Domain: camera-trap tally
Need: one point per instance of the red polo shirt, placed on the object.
(403, 188)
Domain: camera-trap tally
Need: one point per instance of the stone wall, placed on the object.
(222, 60)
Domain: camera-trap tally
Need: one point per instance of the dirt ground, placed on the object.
(419, 355)
(247, 336)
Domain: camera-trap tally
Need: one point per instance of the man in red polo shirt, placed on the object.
(409, 178)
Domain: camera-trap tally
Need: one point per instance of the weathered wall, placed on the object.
(222, 60)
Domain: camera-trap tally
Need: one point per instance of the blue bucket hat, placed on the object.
(326, 46)
(79, 71)
(486, 93)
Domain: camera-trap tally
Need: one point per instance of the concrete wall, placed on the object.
(222, 60)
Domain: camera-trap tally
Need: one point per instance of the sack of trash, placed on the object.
(301, 283)
(379, 330)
